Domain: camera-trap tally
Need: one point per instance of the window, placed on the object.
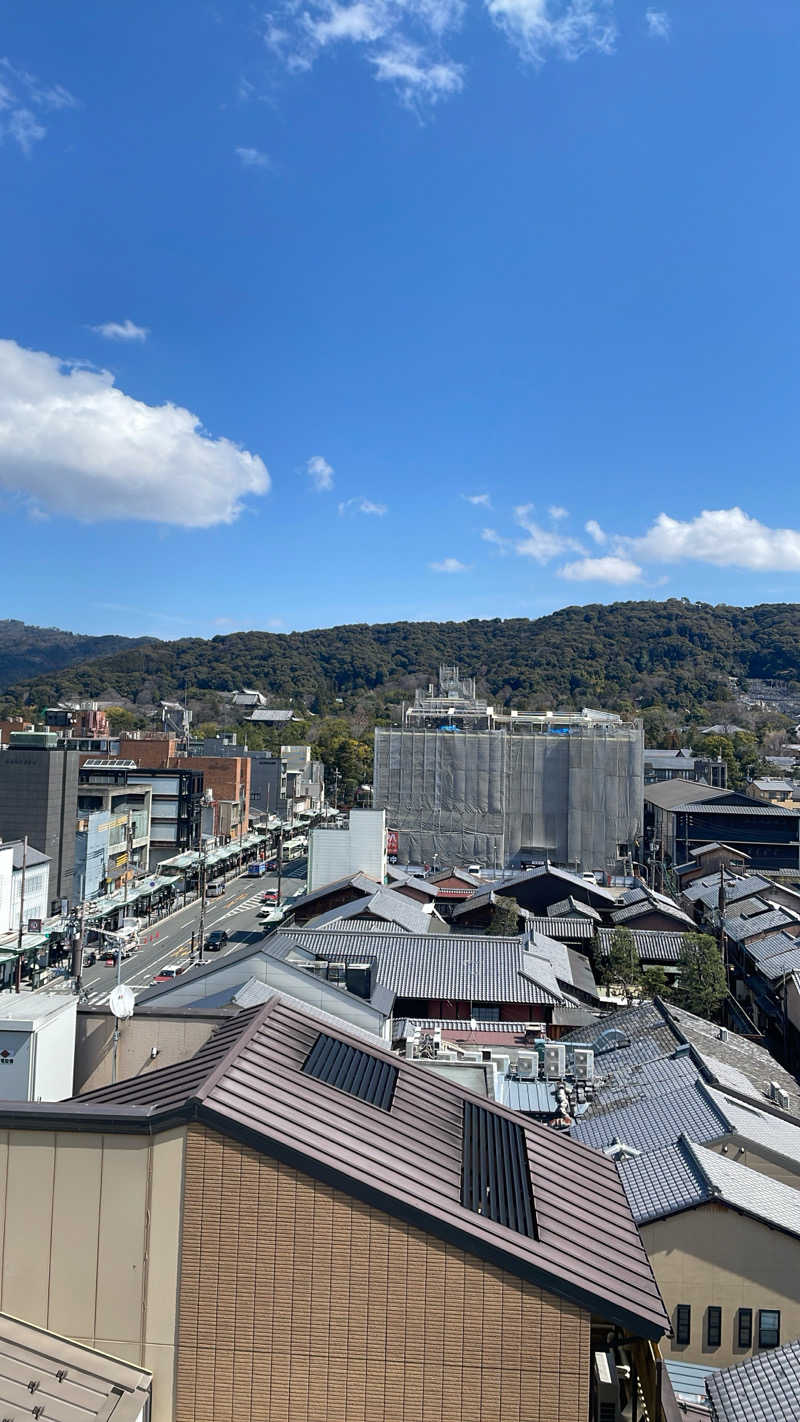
(485, 1012)
(769, 1328)
(745, 1328)
(683, 1324)
(714, 1327)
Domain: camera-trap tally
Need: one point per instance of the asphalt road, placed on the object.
(170, 940)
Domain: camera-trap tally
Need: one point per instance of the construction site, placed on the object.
(462, 782)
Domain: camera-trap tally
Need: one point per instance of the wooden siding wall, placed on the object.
(300, 1304)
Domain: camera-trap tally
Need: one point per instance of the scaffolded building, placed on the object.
(460, 782)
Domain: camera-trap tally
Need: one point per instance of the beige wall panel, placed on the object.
(714, 1256)
(29, 1205)
(327, 1309)
(120, 1263)
(76, 1203)
(164, 1243)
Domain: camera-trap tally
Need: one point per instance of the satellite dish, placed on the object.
(122, 1001)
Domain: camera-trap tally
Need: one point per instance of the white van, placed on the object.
(213, 891)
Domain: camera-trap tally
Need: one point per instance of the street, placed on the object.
(170, 940)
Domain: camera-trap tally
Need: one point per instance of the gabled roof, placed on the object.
(775, 955)
(394, 909)
(701, 850)
(402, 880)
(757, 807)
(360, 882)
(653, 945)
(562, 876)
(741, 927)
(706, 890)
(571, 907)
(641, 901)
(764, 1388)
(669, 793)
(454, 966)
(404, 1158)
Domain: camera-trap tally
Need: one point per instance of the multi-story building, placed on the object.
(39, 798)
(175, 798)
(461, 782)
(660, 765)
(37, 885)
(226, 811)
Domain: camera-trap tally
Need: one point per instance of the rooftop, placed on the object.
(669, 793)
(765, 1388)
(398, 1137)
(69, 1382)
(395, 909)
(653, 945)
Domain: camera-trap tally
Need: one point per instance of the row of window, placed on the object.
(769, 1327)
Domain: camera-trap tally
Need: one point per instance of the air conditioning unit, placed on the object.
(606, 1386)
(528, 1065)
(584, 1064)
(780, 1097)
(555, 1061)
(337, 973)
(502, 1064)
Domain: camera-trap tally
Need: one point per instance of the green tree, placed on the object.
(504, 922)
(701, 983)
(120, 720)
(654, 983)
(622, 970)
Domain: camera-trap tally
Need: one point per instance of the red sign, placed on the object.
(392, 839)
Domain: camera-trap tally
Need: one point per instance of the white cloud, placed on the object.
(417, 78)
(595, 531)
(74, 444)
(541, 544)
(362, 506)
(658, 23)
(490, 535)
(320, 472)
(253, 158)
(606, 570)
(565, 28)
(555, 511)
(404, 40)
(449, 565)
(727, 538)
(121, 331)
(24, 101)
(479, 500)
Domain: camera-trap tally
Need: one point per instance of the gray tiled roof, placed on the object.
(668, 793)
(570, 929)
(631, 911)
(765, 1388)
(454, 966)
(746, 1062)
(750, 1191)
(706, 890)
(653, 945)
(401, 1026)
(762, 1128)
(384, 904)
(663, 1182)
(741, 928)
(657, 1120)
(717, 809)
(775, 955)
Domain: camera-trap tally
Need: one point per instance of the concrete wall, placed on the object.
(89, 1238)
(327, 1309)
(39, 797)
(713, 1256)
(175, 1038)
(361, 848)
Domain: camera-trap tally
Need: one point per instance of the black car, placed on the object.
(216, 940)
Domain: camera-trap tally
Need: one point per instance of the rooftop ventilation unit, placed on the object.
(779, 1096)
(723, 1034)
(555, 1061)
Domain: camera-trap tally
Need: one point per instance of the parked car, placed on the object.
(216, 940)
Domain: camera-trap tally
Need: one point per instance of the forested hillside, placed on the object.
(27, 651)
(675, 654)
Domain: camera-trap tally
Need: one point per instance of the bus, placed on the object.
(256, 870)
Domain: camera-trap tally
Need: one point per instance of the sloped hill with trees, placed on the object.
(27, 651)
(627, 656)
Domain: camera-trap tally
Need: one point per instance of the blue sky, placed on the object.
(396, 309)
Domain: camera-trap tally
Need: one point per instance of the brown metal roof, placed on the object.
(406, 1160)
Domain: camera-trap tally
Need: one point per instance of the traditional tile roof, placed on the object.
(406, 1160)
(748, 1190)
(730, 1059)
(765, 1388)
(701, 850)
(386, 904)
(663, 1182)
(667, 794)
(658, 1119)
(638, 902)
(574, 929)
(706, 890)
(572, 908)
(361, 882)
(717, 809)
(453, 966)
(741, 927)
(653, 945)
(775, 955)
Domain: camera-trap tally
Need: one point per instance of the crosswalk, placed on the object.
(246, 906)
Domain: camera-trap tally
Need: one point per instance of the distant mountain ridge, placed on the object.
(27, 651)
(627, 654)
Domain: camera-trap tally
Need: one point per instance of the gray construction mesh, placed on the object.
(496, 797)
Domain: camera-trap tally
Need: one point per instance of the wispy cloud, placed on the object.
(320, 472)
(361, 505)
(602, 570)
(121, 331)
(658, 24)
(595, 532)
(404, 40)
(556, 512)
(25, 102)
(72, 443)
(479, 500)
(541, 544)
(253, 158)
(449, 565)
(497, 540)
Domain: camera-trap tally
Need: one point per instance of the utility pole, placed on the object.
(202, 881)
(18, 967)
(128, 855)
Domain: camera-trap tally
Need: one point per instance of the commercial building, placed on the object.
(287, 784)
(175, 798)
(37, 885)
(460, 782)
(295, 1224)
(335, 854)
(39, 798)
(226, 793)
